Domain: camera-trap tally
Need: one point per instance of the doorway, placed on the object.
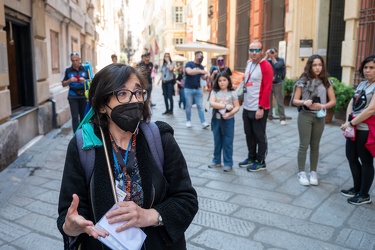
(20, 64)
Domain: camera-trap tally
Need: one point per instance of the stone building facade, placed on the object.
(36, 39)
(340, 31)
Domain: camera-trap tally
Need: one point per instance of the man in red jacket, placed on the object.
(258, 87)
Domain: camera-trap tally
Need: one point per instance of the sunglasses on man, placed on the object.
(255, 50)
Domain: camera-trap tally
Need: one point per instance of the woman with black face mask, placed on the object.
(125, 187)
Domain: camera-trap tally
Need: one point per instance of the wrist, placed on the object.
(260, 107)
(351, 124)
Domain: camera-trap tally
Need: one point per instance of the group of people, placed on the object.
(313, 95)
(126, 187)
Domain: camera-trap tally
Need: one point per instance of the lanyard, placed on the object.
(124, 166)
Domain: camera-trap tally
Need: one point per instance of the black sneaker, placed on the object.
(257, 166)
(359, 199)
(349, 193)
(246, 163)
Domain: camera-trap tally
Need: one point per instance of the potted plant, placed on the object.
(344, 94)
(288, 87)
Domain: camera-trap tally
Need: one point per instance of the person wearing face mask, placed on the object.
(220, 67)
(193, 92)
(160, 203)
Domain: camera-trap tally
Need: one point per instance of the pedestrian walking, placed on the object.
(193, 92)
(258, 86)
(161, 202)
(75, 77)
(181, 87)
(359, 149)
(279, 72)
(168, 82)
(146, 66)
(313, 93)
(114, 58)
(225, 104)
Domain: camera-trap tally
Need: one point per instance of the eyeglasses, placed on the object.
(255, 50)
(74, 54)
(220, 60)
(125, 95)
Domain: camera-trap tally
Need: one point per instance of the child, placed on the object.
(313, 92)
(225, 104)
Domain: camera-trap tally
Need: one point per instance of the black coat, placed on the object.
(171, 194)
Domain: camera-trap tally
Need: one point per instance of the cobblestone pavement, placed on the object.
(237, 210)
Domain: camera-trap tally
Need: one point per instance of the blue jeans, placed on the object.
(182, 98)
(223, 132)
(196, 96)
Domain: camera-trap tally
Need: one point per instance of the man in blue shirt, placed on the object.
(193, 92)
(74, 77)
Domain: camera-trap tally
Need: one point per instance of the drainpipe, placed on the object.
(54, 115)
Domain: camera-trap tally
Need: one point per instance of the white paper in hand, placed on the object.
(130, 239)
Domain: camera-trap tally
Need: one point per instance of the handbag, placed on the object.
(321, 113)
(241, 87)
(349, 132)
(239, 91)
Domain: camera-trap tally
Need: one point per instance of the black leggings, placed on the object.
(362, 171)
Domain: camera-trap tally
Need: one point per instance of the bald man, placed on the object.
(258, 87)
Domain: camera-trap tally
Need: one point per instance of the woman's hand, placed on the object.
(132, 215)
(315, 106)
(229, 107)
(345, 126)
(308, 103)
(76, 224)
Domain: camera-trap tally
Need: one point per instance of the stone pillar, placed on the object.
(322, 25)
(350, 44)
(5, 105)
(45, 111)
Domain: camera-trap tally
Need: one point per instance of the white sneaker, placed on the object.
(188, 124)
(282, 123)
(205, 125)
(302, 178)
(313, 178)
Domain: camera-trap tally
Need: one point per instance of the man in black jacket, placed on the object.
(279, 70)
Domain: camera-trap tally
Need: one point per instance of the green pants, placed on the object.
(310, 129)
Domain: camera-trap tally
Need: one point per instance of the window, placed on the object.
(74, 45)
(55, 57)
(179, 14)
(178, 41)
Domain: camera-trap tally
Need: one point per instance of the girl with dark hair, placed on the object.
(161, 203)
(168, 81)
(313, 92)
(225, 104)
(360, 154)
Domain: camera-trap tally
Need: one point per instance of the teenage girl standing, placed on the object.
(313, 92)
(225, 104)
